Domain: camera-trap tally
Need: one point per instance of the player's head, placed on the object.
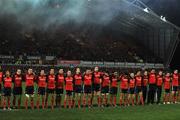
(115, 73)
(61, 71)
(153, 71)
(175, 71)
(8, 73)
(68, 73)
(42, 72)
(168, 74)
(96, 69)
(145, 73)
(51, 72)
(78, 70)
(18, 72)
(138, 73)
(132, 75)
(160, 73)
(87, 72)
(106, 74)
(30, 71)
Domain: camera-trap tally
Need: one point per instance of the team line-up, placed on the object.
(83, 89)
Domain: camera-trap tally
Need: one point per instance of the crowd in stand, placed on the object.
(88, 88)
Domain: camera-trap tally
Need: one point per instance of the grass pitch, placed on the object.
(149, 112)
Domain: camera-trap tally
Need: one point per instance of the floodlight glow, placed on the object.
(146, 10)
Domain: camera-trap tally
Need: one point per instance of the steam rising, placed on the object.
(42, 13)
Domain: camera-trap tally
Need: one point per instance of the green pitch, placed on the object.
(151, 112)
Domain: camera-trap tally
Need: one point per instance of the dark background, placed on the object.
(171, 10)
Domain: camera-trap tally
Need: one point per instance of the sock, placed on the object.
(69, 103)
(175, 98)
(79, 103)
(84, 102)
(120, 102)
(60, 101)
(125, 102)
(132, 101)
(89, 102)
(37, 103)
(106, 100)
(73, 103)
(142, 101)
(98, 100)
(19, 103)
(9, 103)
(32, 103)
(114, 100)
(43, 102)
(26, 103)
(111, 100)
(52, 102)
(136, 99)
(65, 104)
(14, 101)
(4, 103)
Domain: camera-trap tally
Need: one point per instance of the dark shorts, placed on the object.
(41, 90)
(132, 91)
(78, 89)
(124, 90)
(175, 88)
(105, 89)
(50, 91)
(59, 91)
(167, 90)
(30, 90)
(138, 89)
(87, 89)
(96, 87)
(69, 92)
(17, 91)
(113, 91)
(7, 91)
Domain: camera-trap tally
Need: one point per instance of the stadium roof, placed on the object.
(136, 19)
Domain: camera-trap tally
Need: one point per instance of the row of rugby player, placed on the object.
(81, 89)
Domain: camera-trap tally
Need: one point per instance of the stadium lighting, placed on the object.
(146, 10)
(163, 18)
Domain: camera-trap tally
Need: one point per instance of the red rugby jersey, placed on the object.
(167, 82)
(114, 81)
(132, 83)
(29, 78)
(87, 80)
(42, 81)
(78, 79)
(69, 83)
(51, 81)
(175, 80)
(145, 80)
(159, 80)
(7, 82)
(124, 83)
(17, 80)
(106, 81)
(60, 81)
(138, 81)
(97, 77)
(1, 77)
(152, 78)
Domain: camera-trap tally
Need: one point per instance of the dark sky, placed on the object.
(171, 10)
